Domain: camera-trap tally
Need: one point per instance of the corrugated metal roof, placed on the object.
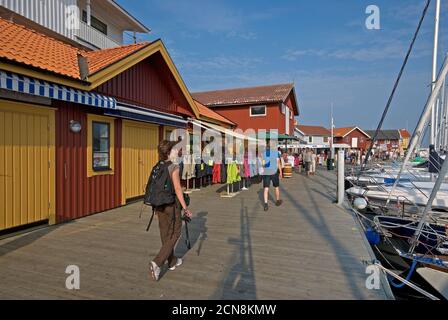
(385, 134)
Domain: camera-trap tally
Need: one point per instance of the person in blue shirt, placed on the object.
(272, 172)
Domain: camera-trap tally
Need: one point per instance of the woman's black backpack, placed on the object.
(159, 189)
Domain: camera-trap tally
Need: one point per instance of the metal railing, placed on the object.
(91, 35)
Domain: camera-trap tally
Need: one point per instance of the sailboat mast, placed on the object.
(442, 173)
(432, 137)
(423, 121)
(445, 119)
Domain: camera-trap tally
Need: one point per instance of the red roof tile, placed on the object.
(100, 59)
(314, 130)
(405, 133)
(342, 132)
(262, 94)
(29, 47)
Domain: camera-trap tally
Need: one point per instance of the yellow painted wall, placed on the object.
(139, 155)
(27, 164)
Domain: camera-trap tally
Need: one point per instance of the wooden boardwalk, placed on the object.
(306, 249)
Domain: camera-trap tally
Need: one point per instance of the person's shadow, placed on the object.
(197, 234)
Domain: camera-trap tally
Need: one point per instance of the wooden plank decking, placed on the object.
(306, 249)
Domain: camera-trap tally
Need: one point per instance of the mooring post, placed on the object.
(341, 177)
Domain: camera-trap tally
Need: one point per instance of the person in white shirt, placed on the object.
(313, 163)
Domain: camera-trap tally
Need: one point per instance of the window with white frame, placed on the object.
(95, 23)
(257, 111)
(283, 108)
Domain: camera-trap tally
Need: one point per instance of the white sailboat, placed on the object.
(436, 278)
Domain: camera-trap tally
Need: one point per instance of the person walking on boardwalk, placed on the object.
(169, 214)
(313, 163)
(272, 172)
(307, 158)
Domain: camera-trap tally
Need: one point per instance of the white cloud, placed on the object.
(213, 17)
(241, 34)
(211, 65)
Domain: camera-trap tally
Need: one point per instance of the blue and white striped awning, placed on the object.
(22, 84)
(133, 112)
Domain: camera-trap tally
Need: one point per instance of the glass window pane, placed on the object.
(100, 160)
(104, 130)
(104, 145)
(100, 145)
(258, 110)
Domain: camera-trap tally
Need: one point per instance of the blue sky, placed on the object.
(322, 46)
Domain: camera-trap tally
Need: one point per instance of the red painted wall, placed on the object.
(363, 140)
(148, 84)
(274, 118)
(76, 194)
(291, 104)
(392, 145)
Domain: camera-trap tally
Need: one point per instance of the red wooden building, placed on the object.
(387, 140)
(264, 107)
(355, 137)
(81, 128)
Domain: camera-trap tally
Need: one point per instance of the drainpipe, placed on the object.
(88, 12)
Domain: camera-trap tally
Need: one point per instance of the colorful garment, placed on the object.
(216, 173)
(188, 168)
(233, 174)
(246, 168)
(223, 173)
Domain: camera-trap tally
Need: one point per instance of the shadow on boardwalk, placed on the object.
(197, 231)
(23, 240)
(318, 222)
(240, 280)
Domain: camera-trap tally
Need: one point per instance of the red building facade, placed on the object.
(267, 107)
(354, 137)
(89, 124)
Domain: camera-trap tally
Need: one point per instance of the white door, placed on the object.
(354, 142)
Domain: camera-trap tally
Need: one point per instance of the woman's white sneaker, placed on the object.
(178, 264)
(155, 270)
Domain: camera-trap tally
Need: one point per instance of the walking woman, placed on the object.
(169, 215)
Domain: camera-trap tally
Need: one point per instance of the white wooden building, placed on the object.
(96, 24)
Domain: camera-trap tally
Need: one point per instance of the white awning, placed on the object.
(133, 112)
(225, 131)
